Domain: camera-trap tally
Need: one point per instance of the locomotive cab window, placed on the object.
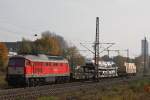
(16, 62)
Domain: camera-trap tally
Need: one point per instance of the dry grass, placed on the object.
(128, 91)
(3, 83)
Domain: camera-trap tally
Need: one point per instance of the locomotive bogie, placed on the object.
(16, 80)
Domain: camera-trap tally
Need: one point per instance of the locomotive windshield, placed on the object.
(16, 62)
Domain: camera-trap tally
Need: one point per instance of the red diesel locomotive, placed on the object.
(37, 69)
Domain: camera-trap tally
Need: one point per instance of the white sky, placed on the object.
(124, 22)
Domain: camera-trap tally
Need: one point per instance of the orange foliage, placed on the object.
(3, 55)
(147, 88)
(48, 44)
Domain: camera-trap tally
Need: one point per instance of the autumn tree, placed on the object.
(48, 44)
(63, 43)
(3, 56)
(106, 58)
(119, 60)
(74, 57)
(139, 62)
(52, 44)
(25, 47)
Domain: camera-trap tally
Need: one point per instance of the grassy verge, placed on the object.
(136, 90)
(47, 98)
(3, 83)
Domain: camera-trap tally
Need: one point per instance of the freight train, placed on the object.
(32, 70)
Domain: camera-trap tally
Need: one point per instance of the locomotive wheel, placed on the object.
(27, 83)
(66, 79)
(36, 82)
(41, 81)
(59, 79)
(32, 83)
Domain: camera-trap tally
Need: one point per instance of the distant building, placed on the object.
(144, 47)
(145, 56)
(13, 47)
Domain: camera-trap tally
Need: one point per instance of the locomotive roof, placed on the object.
(41, 57)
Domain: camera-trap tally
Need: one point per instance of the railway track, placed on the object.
(32, 93)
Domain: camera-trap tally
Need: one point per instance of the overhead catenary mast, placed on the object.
(96, 48)
(97, 51)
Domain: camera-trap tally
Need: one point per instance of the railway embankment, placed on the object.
(127, 90)
(105, 89)
(3, 83)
